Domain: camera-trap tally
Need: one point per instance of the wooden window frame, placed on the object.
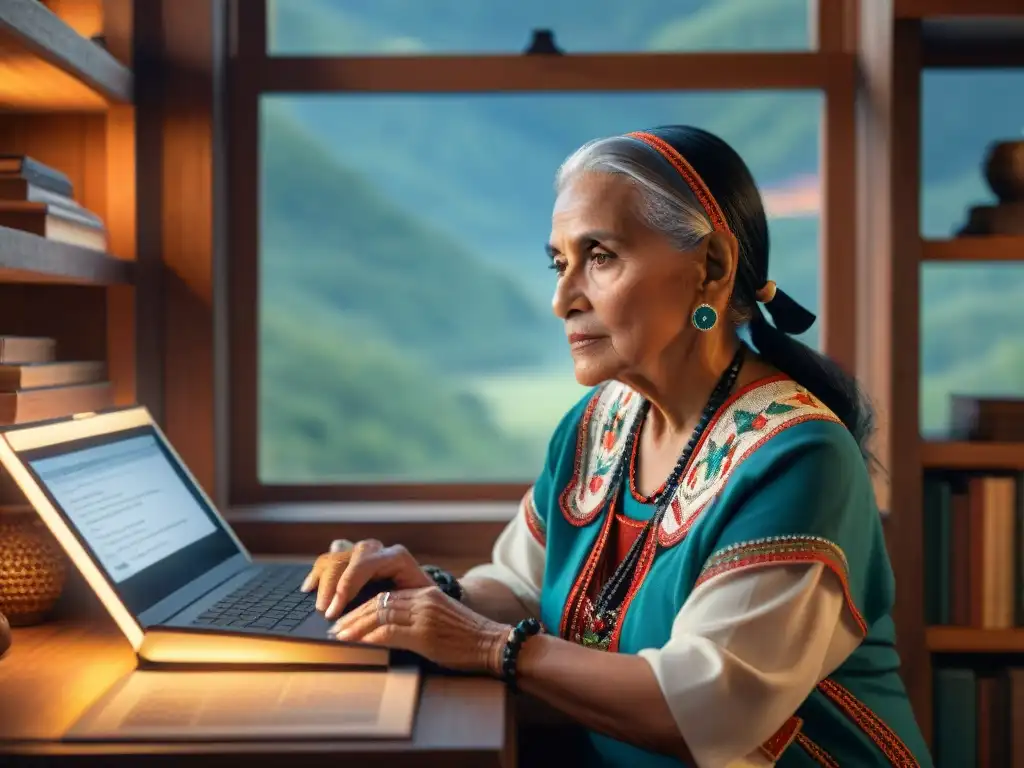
(829, 67)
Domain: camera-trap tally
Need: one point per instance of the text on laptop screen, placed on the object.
(127, 502)
(137, 512)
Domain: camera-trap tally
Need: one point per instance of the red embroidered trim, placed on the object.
(632, 475)
(690, 176)
(895, 751)
(574, 604)
(534, 521)
(577, 471)
(777, 744)
(816, 753)
(784, 549)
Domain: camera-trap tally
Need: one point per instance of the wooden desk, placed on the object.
(54, 671)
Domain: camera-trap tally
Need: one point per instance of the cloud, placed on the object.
(798, 197)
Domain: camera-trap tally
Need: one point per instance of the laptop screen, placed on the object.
(126, 498)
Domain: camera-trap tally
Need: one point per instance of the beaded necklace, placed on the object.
(601, 626)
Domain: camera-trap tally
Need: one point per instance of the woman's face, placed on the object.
(625, 293)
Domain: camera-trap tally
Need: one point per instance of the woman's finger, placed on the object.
(330, 575)
(313, 578)
(396, 636)
(397, 603)
(366, 562)
(382, 610)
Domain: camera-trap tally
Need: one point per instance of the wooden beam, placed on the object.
(117, 20)
(605, 72)
(889, 249)
(838, 283)
(176, 59)
(248, 46)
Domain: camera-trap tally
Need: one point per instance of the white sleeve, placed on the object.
(517, 560)
(746, 649)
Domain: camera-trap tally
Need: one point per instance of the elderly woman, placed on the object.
(698, 573)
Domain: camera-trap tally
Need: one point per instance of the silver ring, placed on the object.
(384, 598)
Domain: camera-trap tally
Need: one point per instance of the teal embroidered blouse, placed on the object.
(776, 481)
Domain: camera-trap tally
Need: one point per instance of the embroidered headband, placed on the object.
(789, 315)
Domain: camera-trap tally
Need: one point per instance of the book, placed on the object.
(26, 349)
(955, 741)
(35, 172)
(44, 403)
(973, 568)
(53, 374)
(57, 224)
(16, 189)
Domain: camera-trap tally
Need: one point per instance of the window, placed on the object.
(405, 313)
(404, 345)
(402, 27)
(971, 314)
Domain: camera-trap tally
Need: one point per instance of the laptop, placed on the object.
(159, 556)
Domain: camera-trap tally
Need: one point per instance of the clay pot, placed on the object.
(32, 567)
(5, 635)
(1004, 170)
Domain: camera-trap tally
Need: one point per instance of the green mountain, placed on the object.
(405, 327)
(329, 238)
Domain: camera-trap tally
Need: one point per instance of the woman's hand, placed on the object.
(428, 622)
(340, 575)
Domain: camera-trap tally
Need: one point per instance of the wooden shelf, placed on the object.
(970, 640)
(980, 248)
(27, 258)
(924, 9)
(970, 43)
(972, 456)
(46, 65)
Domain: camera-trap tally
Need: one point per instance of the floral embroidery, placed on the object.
(589, 636)
(891, 745)
(816, 753)
(599, 447)
(751, 417)
(783, 549)
(534, 522)
(778, 743)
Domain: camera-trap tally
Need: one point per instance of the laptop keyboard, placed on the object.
(269, 601)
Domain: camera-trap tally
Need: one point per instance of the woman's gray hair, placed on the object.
(666, 207)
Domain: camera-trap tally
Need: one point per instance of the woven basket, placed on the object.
(32, 567)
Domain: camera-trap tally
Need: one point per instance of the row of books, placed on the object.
(35, 385)
(978, 718)
(39, 199)
(972, 550)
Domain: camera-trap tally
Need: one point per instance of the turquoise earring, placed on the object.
(704, 317)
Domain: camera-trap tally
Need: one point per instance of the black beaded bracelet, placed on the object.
(510, 656)
(444, 581)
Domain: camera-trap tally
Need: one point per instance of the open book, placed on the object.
(234, 706)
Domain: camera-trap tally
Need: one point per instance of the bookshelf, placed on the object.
(899, 40)
(66, 100)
